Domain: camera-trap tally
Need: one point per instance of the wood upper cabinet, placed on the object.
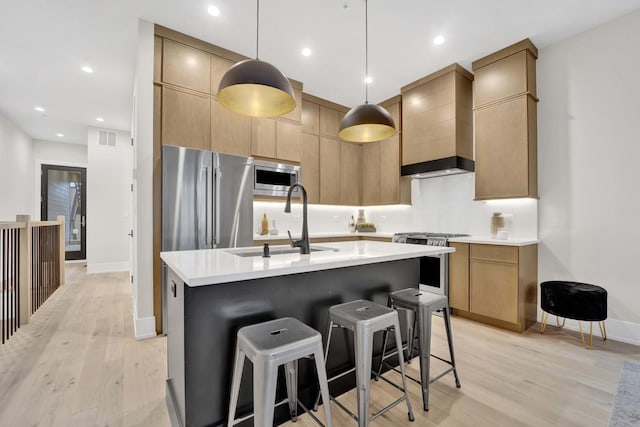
(230, 132)
(263, 137)
(310, 117)
(350, 173)
(310, 164)
(330, 171)
(506, 123)
(437, 116)
(371, 173)
(288, 141)
(506, 158)
(185, 119)
(296, 113)
(185, 66)
(459, 276)
(330, 121)
(219, 66)
(381, 180)
(157, 58)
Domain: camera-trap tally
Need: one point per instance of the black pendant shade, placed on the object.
(367, 123)
(256, 88)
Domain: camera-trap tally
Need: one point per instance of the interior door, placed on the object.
(64, 192)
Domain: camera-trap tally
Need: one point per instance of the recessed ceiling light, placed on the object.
(87, 69)
(100, 119)
(213, 11)
(368, 79)
(438, 40)
(306, 52)
(59, 135)
(39, 109)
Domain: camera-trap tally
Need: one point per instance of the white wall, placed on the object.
(54, 153)
(588, 150)
(108, 188)
(16, 171)
(143, 318)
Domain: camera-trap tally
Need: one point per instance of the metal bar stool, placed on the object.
(364, 318)
(268, 345)
(420, 305)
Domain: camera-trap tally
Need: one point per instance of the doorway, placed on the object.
(64, 192)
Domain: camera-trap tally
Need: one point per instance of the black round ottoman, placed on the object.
(574, 300)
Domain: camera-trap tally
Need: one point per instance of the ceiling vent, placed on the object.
(107, 137)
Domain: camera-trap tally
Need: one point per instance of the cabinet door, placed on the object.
(295, 114)
(390, 170)
(350, 173)
(310, 164)
(185, 66)
(493, 290)
(459, 276)
(502, 79)
(230, 132)
(263, 137)
(219, 66)
(288, 141)
(185, 119)
(502, 150)
(310, 117)
(330, 121)
(329, 171)
(371, 173)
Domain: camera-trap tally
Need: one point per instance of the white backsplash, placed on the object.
(439, 205)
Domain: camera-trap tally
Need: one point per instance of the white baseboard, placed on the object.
(144, 328)
(618, 330)
(107, 267)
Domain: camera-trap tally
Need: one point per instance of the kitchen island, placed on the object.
(213, 293)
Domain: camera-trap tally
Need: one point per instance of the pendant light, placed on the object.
(256, 88)
(367, 122)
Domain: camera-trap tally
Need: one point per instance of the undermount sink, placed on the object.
(276, 251)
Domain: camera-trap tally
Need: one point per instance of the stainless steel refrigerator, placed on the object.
(207, 201)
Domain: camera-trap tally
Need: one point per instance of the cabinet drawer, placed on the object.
(493, 290)
(495, 253)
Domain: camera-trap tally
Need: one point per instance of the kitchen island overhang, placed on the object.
(213, 293)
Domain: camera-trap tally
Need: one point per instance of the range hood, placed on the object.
(440, 167)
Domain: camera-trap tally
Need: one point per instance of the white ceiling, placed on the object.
(44, 43)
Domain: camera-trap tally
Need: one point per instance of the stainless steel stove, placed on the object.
(434, 271)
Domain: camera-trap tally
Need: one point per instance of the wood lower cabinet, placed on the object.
(185, 119)
(502, 284)
(459, 276)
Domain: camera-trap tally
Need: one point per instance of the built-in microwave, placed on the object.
(274, 179)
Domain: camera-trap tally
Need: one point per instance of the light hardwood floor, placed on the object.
(77, 364)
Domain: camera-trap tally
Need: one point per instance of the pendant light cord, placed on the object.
(366, 51)
(257, 27)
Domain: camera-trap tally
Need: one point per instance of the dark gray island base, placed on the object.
(203, 322)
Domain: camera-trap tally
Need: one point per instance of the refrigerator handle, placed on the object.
(216, 231)
(208, 208)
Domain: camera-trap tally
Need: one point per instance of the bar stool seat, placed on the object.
(364, 318)
(420, 305)
(268, 345)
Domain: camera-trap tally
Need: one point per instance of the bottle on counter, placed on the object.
(274, 230)
(352, 225)
(265, 225)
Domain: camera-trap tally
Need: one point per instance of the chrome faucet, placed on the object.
(303, 243)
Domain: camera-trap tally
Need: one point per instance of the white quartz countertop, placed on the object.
(487, 240)
(326, 234)
(212, 266)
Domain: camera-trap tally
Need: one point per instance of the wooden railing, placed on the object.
(31, 268)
